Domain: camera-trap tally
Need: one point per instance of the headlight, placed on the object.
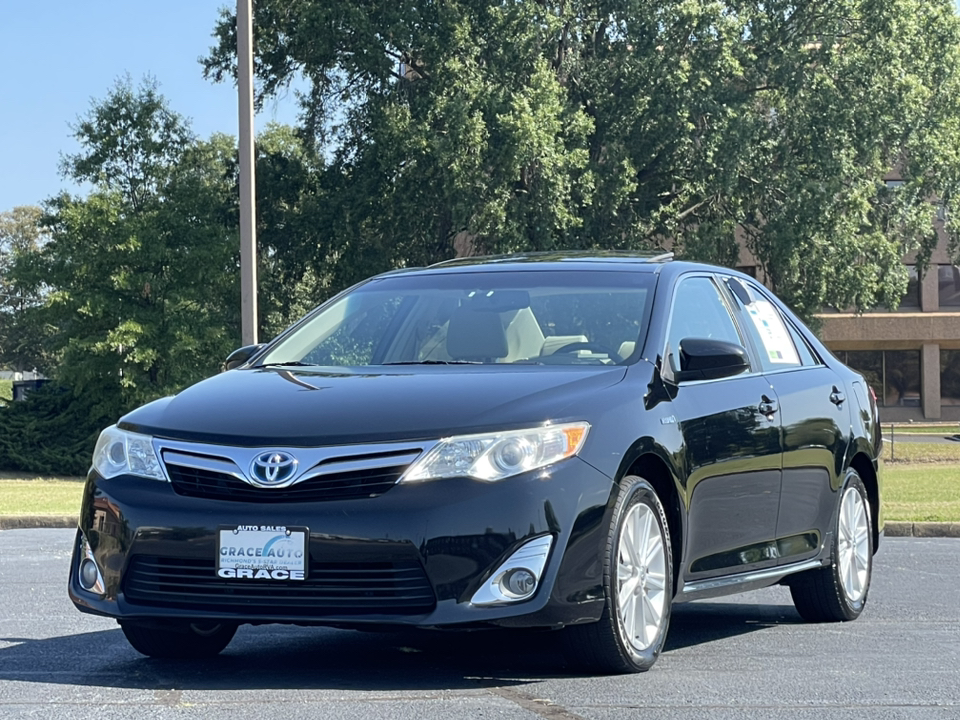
(495, 456)
(124, 453)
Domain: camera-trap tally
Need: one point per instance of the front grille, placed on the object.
(331, 589)
(194, 482)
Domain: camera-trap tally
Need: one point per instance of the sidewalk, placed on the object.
(892, 529)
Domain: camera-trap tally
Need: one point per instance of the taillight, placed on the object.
(873, 400)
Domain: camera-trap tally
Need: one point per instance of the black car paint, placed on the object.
(456, 528)
(302, 407)
(741, 505)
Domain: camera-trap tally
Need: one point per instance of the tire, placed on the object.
(632, 629)
(178, 640)
(839, 592)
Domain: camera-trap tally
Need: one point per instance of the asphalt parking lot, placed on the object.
(749, 656)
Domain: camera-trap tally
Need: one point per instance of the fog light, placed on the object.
(518, 582)
(88, 574)
(518, 576)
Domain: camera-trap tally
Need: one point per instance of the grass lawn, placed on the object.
(913, 491)
(914, 453)
(922, 492)
(941, 429)
(40, 496)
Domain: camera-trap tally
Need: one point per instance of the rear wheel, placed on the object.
(182, 640)
(638, 587)
(839, 592)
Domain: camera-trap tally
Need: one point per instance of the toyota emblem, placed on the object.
(273, 468)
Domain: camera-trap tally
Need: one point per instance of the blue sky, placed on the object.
(58, 55)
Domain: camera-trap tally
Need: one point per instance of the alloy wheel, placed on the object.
(641, 577)
(854, 545)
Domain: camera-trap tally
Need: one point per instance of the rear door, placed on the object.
(814, 413)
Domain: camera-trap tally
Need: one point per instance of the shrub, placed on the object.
(53, 431)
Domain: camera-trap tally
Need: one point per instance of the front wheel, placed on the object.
(839, 592)
(180, 640)
(638, 584)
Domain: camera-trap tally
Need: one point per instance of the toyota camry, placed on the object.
(571, 442)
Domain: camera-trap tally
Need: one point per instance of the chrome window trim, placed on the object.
(691, 383)
(796, 368)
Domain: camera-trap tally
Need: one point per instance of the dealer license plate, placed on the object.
(262, 552)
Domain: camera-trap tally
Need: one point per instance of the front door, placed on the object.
(732, 451)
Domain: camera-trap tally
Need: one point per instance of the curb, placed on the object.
(891, 529)
(922, 529)
(17, 522)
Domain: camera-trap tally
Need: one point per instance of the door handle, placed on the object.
(837, 397)
(768, 407)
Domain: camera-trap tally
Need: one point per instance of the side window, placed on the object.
(773, 337)
(699, 311)
(807, 356)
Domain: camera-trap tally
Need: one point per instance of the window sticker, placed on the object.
(776, 340)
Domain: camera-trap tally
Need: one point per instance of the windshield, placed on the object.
(530, 317)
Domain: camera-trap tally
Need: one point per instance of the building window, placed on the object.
(948, 281)
(912, 298)
(895, 372)
(901, 378)
(950, 377)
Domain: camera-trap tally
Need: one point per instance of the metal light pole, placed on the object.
(248, 225)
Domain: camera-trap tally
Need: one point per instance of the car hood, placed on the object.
(300, 407)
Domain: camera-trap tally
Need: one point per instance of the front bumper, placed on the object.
(412, 556)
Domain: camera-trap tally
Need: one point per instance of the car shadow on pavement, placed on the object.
(699, 623)
(282, 657)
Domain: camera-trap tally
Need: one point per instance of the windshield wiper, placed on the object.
(435, 362)
(289, 363)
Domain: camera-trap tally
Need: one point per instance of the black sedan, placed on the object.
(572, 442)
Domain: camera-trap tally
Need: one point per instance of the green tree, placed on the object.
(481, 126)
(22, 330)
(143, 271)
(289, 200)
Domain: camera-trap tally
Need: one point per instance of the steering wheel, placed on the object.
(594, 346)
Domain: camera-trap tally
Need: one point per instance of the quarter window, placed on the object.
(803, 349)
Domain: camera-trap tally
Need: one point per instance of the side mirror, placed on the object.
(239, 356)
(706, 359)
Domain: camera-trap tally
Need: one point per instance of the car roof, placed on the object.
(556, 260)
